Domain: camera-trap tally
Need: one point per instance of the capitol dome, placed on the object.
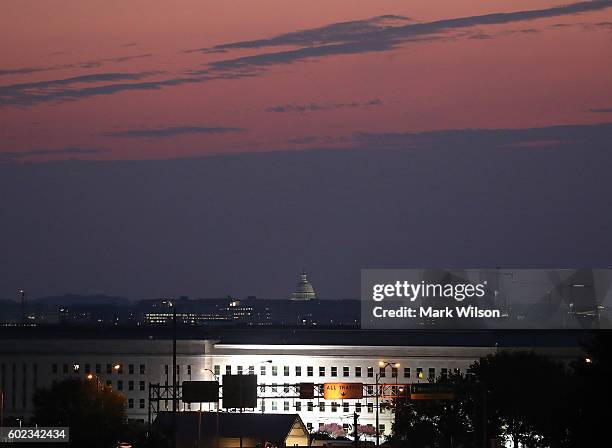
(303, 290)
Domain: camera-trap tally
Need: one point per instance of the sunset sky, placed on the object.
(156, 79)
(501, 109)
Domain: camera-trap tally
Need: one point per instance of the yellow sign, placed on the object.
(342, 391)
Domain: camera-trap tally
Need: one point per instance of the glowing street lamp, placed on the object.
(383, 366)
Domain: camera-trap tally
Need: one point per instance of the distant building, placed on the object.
(303, 290)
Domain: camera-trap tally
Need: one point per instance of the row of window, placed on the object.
(346, 371)
(321, 406)
(130, 385)
(178, 369)
(87, 368)
(141, 403)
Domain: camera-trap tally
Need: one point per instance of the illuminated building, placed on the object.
(128, 360)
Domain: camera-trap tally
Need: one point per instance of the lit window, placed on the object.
(419, 373)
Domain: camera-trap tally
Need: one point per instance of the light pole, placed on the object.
(91, 376)
(383, 366)
(99, 387)
(1, 408)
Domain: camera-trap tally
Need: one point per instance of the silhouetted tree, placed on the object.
(591, 392)
(526, 397)
(94, 412)
(436, 423)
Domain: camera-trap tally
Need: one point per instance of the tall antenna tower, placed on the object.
(22, 299)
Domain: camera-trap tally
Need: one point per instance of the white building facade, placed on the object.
(129, 365)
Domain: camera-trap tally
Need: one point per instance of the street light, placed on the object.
(383, 366)
(1, 408)
(91, 376)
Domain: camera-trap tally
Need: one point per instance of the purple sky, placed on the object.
(205, 148)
